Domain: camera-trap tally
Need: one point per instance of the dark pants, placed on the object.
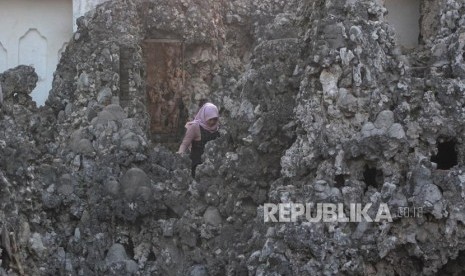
(194, 166)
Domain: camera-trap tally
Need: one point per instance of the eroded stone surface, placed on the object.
(317, 103)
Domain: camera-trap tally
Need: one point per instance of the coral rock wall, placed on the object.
(318, 103)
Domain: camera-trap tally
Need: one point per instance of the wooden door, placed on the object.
(165, 82)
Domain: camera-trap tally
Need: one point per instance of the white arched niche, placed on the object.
(33, 51)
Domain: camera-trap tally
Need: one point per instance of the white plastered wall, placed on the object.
(404, 16)
(35, 33)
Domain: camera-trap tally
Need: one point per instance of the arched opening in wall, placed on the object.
(446, 158)
(164, 60)
(404, 17)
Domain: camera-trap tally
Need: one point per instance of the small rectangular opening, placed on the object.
(124, 66)
(446, 158)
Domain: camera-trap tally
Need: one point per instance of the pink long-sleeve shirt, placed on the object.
(192, 134)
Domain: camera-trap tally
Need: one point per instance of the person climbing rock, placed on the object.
(199, 131)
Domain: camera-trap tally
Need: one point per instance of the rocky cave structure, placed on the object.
(319, 103)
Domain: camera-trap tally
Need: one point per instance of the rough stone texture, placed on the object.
(313, 96)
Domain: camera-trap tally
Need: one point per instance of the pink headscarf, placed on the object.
(206, 112)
